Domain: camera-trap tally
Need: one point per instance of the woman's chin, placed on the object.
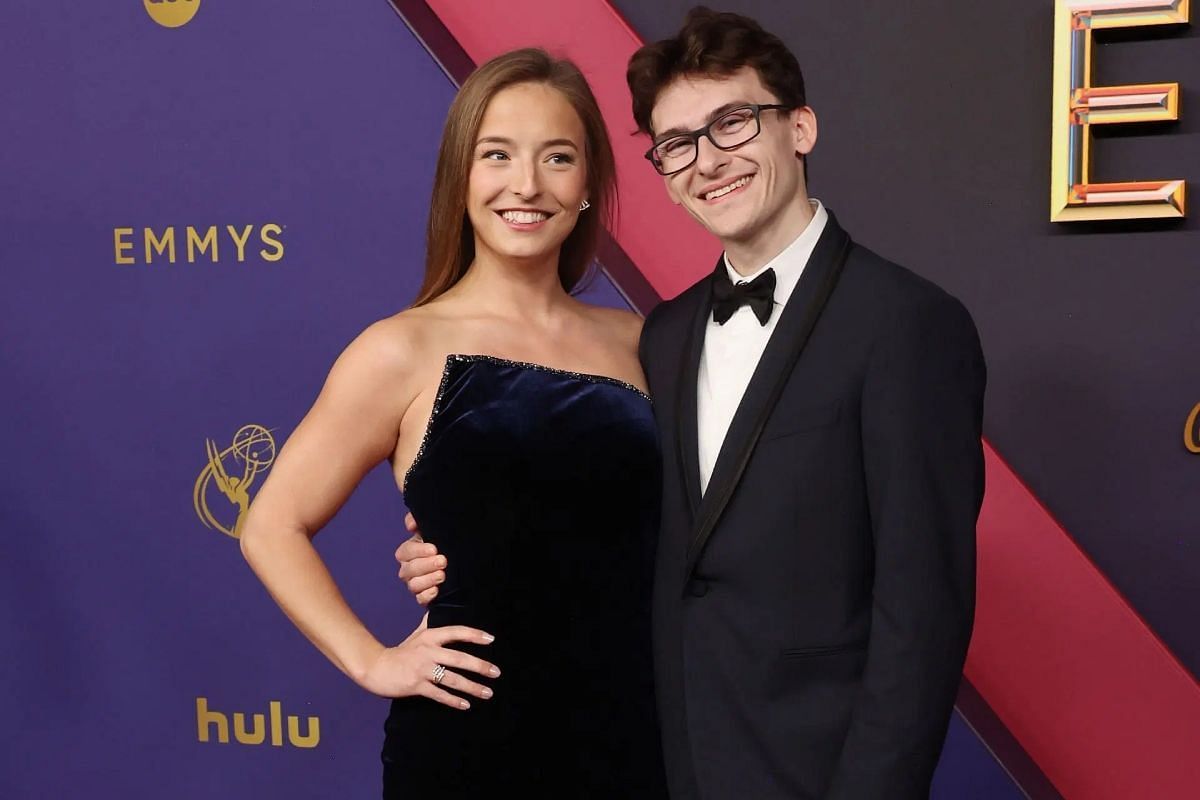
(525, 251)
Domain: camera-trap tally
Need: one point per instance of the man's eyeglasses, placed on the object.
(732, 129)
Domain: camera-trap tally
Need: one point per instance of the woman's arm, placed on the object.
(352, 427)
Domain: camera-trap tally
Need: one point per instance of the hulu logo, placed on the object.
(207, 720)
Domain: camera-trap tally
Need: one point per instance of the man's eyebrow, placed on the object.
(712, 115)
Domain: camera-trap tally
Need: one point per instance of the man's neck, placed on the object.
(748, 256)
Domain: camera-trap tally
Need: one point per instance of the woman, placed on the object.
(516, 424)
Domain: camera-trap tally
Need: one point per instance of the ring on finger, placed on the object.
(439, 672)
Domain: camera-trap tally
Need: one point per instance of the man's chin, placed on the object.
(721, 225)
(729, 230)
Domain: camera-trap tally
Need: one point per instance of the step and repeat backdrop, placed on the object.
(203, 202)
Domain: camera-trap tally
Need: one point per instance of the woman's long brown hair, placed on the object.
(450, 237)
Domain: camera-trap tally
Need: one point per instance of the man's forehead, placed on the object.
(688, 100)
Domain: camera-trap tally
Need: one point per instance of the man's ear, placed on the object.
(804, 129)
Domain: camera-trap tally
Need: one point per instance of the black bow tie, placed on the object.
(728, 297)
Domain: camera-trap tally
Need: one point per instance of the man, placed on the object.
(820, 410)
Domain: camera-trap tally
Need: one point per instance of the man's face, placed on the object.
(765, 175)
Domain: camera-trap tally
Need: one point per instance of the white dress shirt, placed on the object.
(732, 351)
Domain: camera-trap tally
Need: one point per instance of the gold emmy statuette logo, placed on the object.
(1191, 431)
(171, 13)
(233, 470)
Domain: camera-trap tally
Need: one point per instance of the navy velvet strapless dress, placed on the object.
(541, 487)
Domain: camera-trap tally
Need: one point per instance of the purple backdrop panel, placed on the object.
(286, 155)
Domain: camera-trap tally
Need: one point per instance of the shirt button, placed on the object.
(697, 587)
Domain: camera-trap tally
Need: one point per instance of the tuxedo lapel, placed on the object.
(686, 414)
(777, 362)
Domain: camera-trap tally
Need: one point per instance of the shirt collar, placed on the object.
(790, 263)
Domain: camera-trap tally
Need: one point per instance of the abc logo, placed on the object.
(171, 13)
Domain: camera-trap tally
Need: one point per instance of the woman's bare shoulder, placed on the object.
(394, 348)
(623, 325)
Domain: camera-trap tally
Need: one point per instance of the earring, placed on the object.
(586, 205)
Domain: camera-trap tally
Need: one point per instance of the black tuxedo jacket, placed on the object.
(809, 643)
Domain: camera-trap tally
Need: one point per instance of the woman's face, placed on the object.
(528, 174)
